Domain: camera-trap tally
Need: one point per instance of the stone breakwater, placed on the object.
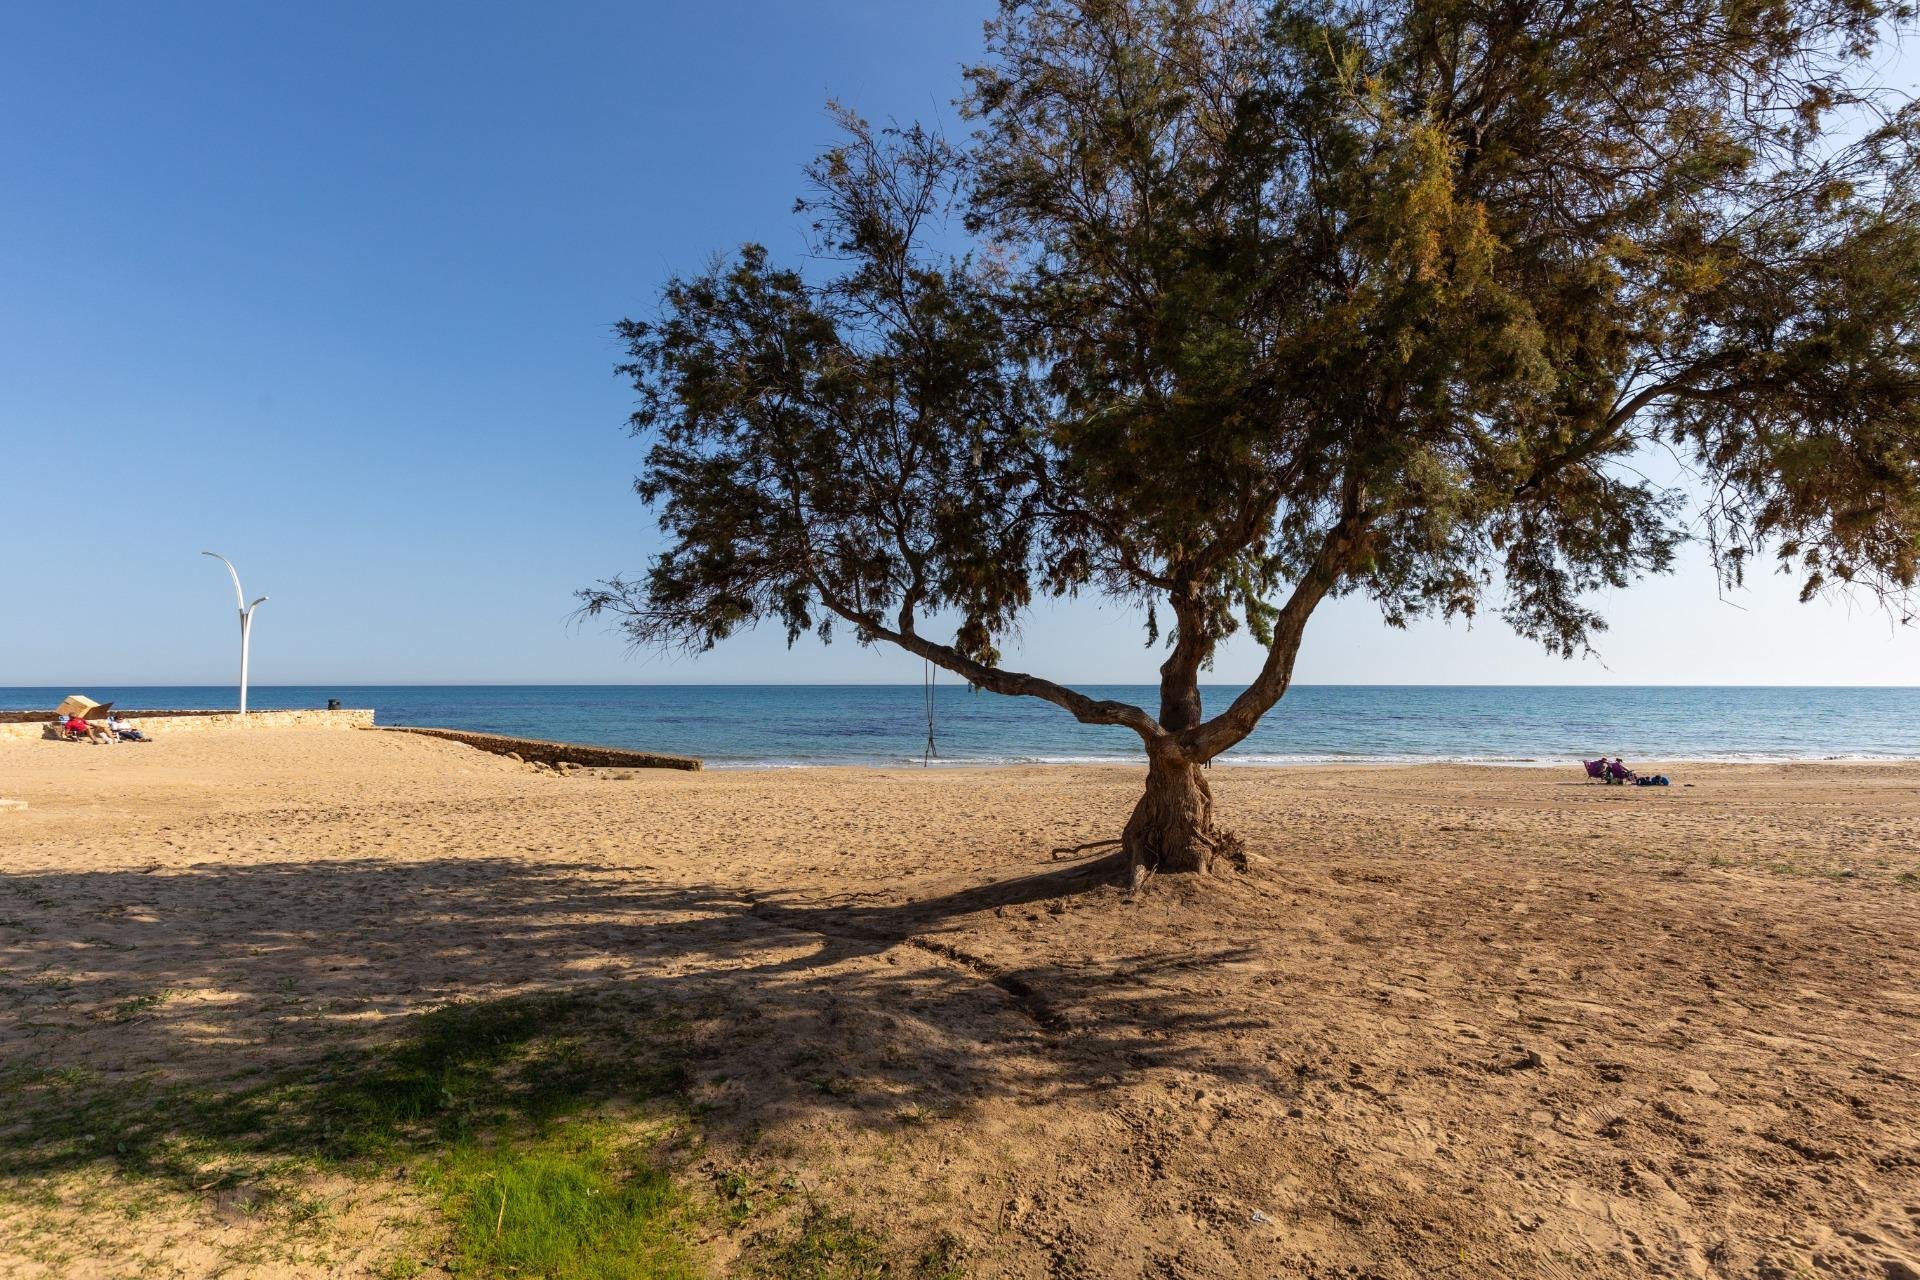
(537, 752)
(33, 725)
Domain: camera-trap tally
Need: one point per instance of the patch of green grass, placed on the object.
(483, 1103)
(401, 1266)
(575, 1204)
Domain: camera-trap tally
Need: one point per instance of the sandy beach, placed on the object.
(1453, 1022)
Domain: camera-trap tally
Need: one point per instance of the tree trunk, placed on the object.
(1171, 829)
(1179, 674)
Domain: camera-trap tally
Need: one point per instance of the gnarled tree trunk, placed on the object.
(1172, 827)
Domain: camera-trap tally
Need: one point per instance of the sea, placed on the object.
(772, 726)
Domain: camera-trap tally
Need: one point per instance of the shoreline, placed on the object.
(500, 743)
(1312, 762)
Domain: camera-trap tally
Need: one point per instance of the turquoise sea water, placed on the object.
(772, 725)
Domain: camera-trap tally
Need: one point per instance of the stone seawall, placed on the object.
(536, 750)
(157, 724)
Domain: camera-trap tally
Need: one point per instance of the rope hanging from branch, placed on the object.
(927, 693)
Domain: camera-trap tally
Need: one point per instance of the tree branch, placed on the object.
(1207, 740)
(1594, 441)
(994, 679)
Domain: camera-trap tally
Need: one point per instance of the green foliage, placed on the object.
(841, 434)
(1399, 297)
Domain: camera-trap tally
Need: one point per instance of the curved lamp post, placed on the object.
(246, 623)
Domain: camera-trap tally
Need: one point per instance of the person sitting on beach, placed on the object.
(78, 729)
(1618, 772)
(123, 730)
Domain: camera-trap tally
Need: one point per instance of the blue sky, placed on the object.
(328, 288)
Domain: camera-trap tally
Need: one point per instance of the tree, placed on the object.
(1249, 308)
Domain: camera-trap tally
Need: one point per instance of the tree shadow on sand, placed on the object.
(270, 1003)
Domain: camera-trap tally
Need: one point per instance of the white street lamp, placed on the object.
(246, 623)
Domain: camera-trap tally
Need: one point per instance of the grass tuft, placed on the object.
(826, 1246)
(573, 1205)
(129, 1009)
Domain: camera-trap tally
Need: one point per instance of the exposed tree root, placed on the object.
(1071, 849)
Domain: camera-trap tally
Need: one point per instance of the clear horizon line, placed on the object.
(901, 684)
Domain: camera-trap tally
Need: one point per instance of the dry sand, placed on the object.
(1455, 1022)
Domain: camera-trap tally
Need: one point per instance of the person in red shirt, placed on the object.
(79, 728)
